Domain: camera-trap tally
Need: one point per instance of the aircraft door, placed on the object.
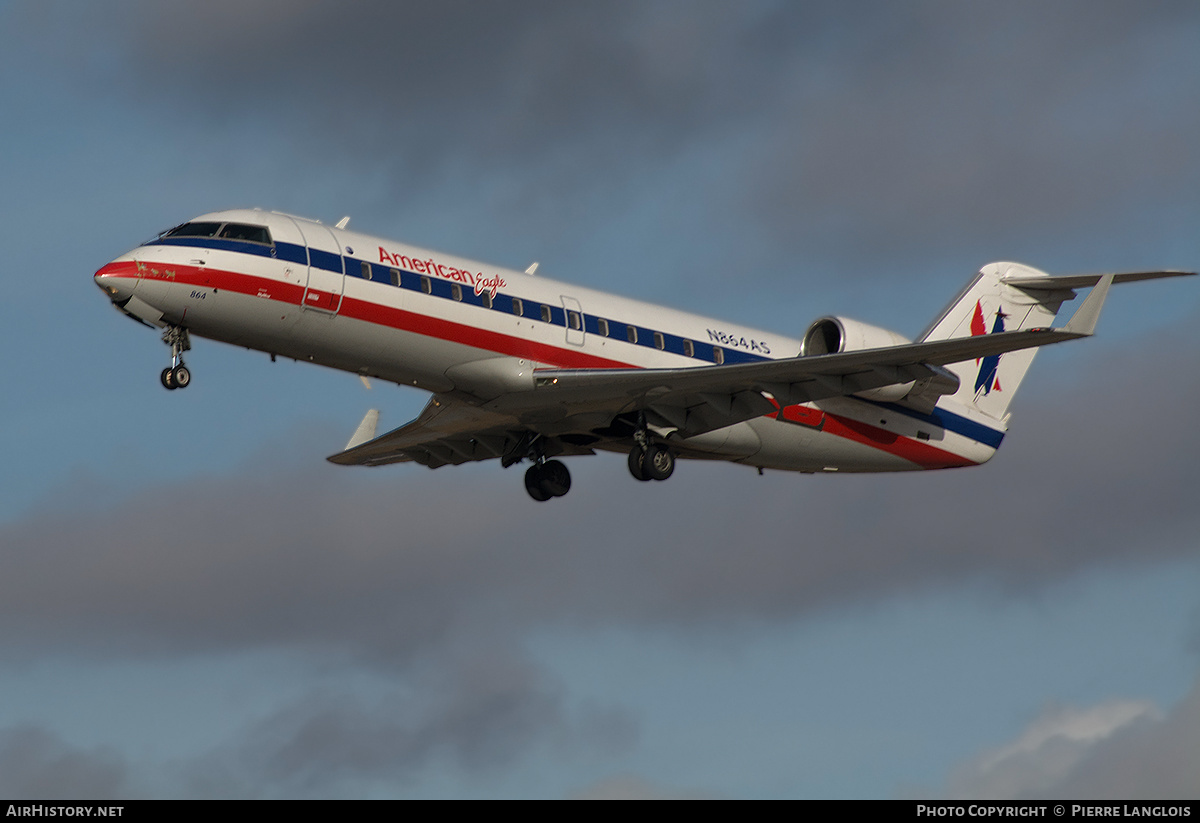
(326, 276)
(574, 315)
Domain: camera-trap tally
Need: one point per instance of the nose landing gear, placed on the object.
(176, 376)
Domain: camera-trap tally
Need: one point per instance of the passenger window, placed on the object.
(602, 326)
(486, 297)
(545, 314)
(573, 320)
(718, 355)
(687, 348)
(366, 270)
(426, 286)
(518, 308)
(456, 292)
(631, 333)
(659, 342)
(394, 274)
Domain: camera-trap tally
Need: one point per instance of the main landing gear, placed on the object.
(176, 376)
(651, 462)
(546, 479)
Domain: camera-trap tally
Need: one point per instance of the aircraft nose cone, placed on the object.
(117, 279)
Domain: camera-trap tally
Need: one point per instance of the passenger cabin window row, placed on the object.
(569, 318)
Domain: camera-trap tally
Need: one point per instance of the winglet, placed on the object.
(1083, 322)
(365, 430)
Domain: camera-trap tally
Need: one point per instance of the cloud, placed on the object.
(473, 714)
(815, 132)
(392, 563)
(1048, 750)
(35, 763)
(1118, 750)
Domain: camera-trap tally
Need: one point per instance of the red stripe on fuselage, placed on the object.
(924, 455)
(921, 454)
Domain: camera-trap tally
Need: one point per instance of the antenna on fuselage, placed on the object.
(341, 224)
(532, 269)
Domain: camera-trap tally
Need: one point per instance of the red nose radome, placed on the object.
(117, 279)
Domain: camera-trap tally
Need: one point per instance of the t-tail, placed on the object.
(1008, 297)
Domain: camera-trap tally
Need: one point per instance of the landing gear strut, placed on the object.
(547, 479)
(176, 376)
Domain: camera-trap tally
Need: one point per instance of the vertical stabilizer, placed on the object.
(986, 306)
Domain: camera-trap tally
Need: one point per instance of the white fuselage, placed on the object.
(448, 325)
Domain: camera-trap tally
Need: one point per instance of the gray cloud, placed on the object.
(437, 579)
(393, 563)
(473, 713)
(802, 132)
(35, 763)
(1143, 760)
(816, 133)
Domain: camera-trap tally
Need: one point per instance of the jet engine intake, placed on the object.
(830, 335)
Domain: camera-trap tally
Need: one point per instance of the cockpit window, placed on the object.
(194, 230)
(241, 231)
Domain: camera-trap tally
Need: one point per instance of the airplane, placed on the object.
(523, 368)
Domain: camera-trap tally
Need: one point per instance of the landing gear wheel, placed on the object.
(556, 479)
(546, 480)
(533, 484)
(658, 462)
(176, 376)
(637, 463)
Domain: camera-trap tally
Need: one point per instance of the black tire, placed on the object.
(167, 378)
(556, 478)
(180, 376)
(658, 463)
(533, 484)
(637, 464)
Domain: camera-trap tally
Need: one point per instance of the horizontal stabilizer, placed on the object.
(1083, 281)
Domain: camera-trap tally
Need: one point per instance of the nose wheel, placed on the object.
(176, 376)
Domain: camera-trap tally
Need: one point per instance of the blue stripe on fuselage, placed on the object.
(503, 303)
(949, 421)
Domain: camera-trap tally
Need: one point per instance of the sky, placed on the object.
(193, 603)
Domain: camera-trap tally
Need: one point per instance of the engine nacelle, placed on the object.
(831, 335)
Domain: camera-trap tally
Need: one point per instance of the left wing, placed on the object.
(576, 407)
